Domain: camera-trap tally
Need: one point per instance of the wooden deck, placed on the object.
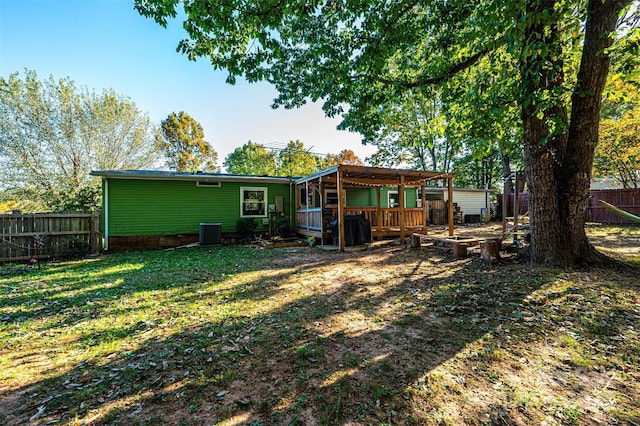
(385, 222)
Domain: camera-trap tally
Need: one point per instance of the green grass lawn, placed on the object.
(238, 335)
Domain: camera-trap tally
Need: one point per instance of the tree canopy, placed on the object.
(54, 133)
(618, 152)
(183, 144)
(296, 160)
(546, 60)
(293, 160)
(251, 159)
(346, 156)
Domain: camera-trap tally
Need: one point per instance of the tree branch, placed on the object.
(427, 81)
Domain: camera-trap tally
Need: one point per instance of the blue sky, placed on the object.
(105, 44)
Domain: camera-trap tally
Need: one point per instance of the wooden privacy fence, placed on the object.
(47, 235)
(625, 199)
(523, 203)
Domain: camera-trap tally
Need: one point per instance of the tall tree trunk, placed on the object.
(558, 165)
(506, 168)
(543, 151)
(586, 103)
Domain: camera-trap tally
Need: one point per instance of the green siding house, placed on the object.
(151, 209)
(155, 209)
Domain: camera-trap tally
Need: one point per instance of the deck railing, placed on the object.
(311, 219)
(390, 217)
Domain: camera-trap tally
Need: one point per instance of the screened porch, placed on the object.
(393, 201)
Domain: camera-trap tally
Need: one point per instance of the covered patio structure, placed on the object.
(328, 195)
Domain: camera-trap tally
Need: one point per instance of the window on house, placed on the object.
(394, 199)
(253, 202)
(330, 197)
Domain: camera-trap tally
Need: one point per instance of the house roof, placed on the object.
(354, 175)
(171, 175)
(375, 176)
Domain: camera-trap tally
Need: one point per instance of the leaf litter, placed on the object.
(388, 335)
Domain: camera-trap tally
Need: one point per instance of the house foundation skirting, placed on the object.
(155, 242)
(147, 242)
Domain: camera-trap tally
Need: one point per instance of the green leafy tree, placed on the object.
(251, 159)
(412, 133)
(54, 133)
(184, 146)
(618, 153)
(478, 170)
(358, 57)
(450, 128)
(296, 160)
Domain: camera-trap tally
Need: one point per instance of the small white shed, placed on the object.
(470, 201)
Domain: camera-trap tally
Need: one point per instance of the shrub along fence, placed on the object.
(28, 237)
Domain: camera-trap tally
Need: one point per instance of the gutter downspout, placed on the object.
(106, 214)
(291, 202)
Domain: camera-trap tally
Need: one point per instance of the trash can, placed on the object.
(484, 215)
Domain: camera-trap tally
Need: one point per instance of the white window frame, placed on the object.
(264, 201)
(326, 197)
(389, 193)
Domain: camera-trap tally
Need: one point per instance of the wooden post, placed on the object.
(401, 201)
(424, 208)
(516, 207)
(505, 200)
(450, 195)
(341, 202)
(93, 234)
(321, 186)
(306, 203)
(378, 213)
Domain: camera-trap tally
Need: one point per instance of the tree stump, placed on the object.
(460, 250)
(490, 251)
(416, 240)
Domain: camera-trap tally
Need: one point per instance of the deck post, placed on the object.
(401, 201)
(322, 207)
(516, 205)
(424, 208)
(378, 214)
(505, 200)
(341, 202)
(306, 202)
(450, 195)
(297, 201)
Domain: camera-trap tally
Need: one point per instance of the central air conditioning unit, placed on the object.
(210, 233)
